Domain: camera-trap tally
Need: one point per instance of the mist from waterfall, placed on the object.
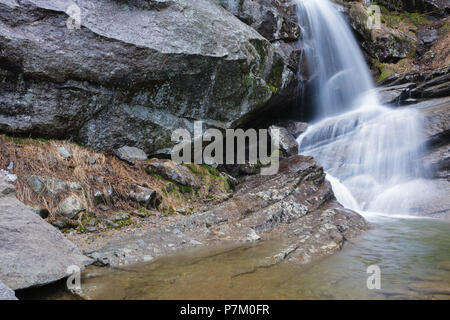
(371, 152)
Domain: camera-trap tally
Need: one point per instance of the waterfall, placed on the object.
(370, 152)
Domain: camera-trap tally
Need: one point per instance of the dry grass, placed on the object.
(98, 171)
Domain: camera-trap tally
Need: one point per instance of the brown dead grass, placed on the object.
(99, 171)
(93, 170)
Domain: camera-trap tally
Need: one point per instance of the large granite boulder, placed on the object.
(133, 72)
(32, 252)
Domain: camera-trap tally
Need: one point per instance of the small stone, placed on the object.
(174, 172)
(121, 216)
(145, 196)
(253, 236)
(62, 223)
(130, 154)
(111, 223)
(10, 166)
(103, 207)
(64, 152)
(36, 184)
(99, 197)
(7, 189)
(92, 229)
(70, 207)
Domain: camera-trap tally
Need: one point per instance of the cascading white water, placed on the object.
(337, 70)
(371, 152)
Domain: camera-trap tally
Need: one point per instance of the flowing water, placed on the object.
(371, 154)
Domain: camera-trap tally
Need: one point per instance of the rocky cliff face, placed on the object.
(134, 71)
(413, 36)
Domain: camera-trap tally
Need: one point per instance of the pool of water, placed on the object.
(412, 254)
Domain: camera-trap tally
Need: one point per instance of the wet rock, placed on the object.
(70, 207)
(130, 154)
(288, 144)
(416, 86)
(33, 252)
(295, 128)
(395, 95)
(173, 172)
(124, 81)
(6, 293)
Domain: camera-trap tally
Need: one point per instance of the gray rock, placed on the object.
(121, 216)
(33, 252)
(385, 44)
(70, 207)
(295, 128)
(416, 86)
(51, 185)
(130, 154)
(6, 293)
(427, 36)
(133, 72)
(145, 196)
(274, 19)
(287, 142)
(174, 172)
(64, 152)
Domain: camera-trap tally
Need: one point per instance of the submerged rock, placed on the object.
(134, 72)
(33, 252)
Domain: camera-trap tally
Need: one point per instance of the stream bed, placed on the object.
(412, 253)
